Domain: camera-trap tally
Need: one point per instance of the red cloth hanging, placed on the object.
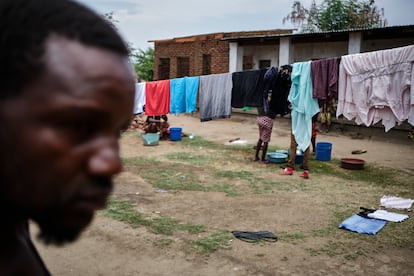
(157, 100)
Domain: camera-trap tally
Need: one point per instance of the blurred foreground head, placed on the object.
(66, 92)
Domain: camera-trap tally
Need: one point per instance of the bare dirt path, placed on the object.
(110, 247)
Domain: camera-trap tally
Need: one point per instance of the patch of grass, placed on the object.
(251, 178)
(140, 161)
(172, 175)
(212, 243)
(163, 225)
(294, 237)
(322, 232)
(398, 234)
(226, 188)
(246, 175)
(381, 176)
(259, 184)
(175, 176)
(192, 228)
(172, 179)
(200, 142)
(163, 243)
(193, 159)
(239, 148)
(123, 210)
(338, 248)
(337, 216)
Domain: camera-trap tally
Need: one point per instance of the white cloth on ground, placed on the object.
(396, 202)
(388, 216)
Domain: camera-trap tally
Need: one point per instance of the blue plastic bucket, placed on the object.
(175, 133)
(323, 151)
(299, 158)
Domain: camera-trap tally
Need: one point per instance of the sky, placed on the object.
(140, 21)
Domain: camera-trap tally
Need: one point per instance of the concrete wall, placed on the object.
(269, 52)
(235, 57)
(309, 51)
(381, 44)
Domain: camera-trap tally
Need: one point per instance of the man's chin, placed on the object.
(65, 230)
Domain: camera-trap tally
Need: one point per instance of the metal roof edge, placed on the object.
(297, 34)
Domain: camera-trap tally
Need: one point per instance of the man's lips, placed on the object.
(92, 201)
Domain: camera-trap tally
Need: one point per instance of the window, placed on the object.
(264, 63)
(247, 62)
(183, 67)
(164, 69)
(206, 65)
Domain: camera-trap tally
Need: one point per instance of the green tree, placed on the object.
(336, 15)
(298, 15)
(144, 64)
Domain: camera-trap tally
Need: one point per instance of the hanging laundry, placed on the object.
(304, 106)
(269, 80)
(324, 74)
(157, 98)
(247, 88)
(215, 96)
(411, 112)
(183, 95)
(279, 104)
(139, 100)
(377, 86)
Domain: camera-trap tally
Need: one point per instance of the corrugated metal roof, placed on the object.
(297, 34)
(256, 33)
(277, 33)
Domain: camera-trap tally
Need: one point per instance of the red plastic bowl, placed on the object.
(352, 163)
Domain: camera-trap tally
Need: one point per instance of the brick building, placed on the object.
(200, 54)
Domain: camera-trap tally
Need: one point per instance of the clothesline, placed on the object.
(366, 87)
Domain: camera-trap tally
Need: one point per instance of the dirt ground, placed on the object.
(110, 247)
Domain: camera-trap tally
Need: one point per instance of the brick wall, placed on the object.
(194, 48)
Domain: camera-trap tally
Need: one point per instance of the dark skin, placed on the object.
(263, 146)
(313, 142)
(59, 144)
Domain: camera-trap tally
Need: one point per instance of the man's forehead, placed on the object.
(66, 55)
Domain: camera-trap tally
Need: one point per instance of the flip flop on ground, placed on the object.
(361, 151)
(249, 236)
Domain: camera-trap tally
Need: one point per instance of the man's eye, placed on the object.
(81, 129)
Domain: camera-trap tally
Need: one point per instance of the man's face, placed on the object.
(59, 138)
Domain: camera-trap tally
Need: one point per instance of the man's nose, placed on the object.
(105, 160)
